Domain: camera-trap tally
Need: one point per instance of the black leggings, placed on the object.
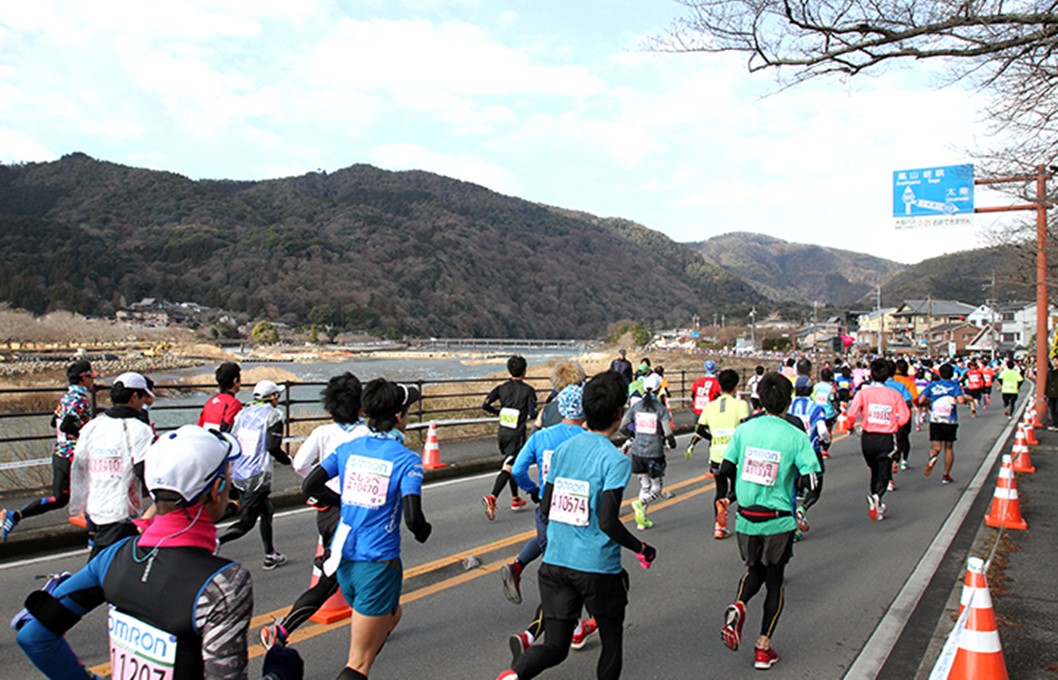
(771, 576)
(310, 601)
(558, 633)
(60, 490)
(254, 505)
(877, 449)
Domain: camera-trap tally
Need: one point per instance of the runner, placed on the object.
(814, 421)
(582, 560)
(208, 599)
(380, 479)
(903, 435)
(341, 399)
(517, 407)
(768, 460)
(884, 413)
(539, 450)
(942, 396)
(973, 383)
(259, 429)
(71, 414)
(106, 474)
(563, 375)
(824, 395)
(1009, 383)
(988, 372)
(705, 388)
(649, 428)
(751, 385)
(717, 424)
(219, 412)
(844, 386)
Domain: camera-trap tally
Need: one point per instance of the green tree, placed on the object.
(314, 335)
(264, 333)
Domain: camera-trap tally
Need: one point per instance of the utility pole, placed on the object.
(881, 320)
(753, 326)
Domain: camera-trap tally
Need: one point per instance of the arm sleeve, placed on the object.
(315, 485)
(223, 614)
(611, 524)
(414, 518)
(520, 469)
(545, 500)
(308, 454)
(274, 442)
(70, 425)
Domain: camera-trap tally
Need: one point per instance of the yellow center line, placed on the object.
(312, 630)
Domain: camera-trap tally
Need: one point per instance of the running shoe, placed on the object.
(720, 532)
(8, 522)
(490, 506)
(517, 503)
(946, 479)
(872, 507)
(721, 511)
(647, 524)
(54, 581)
(731, 633)
(519, 643)
(928, 470)
(763, 659)
(892, 486)
(904, 465)
(507, 675)
(802, 519)
(585, 630)
(512, 582)
(798, 536)
(273, 634)
(640, 512)
(895, 467)
(882, 509)
(273, 560)
(826, 456)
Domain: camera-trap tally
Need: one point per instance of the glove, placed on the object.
(424, 532)
(283, 663)
(690, 452)
(647, 554)
(534, 496)
(671, 441)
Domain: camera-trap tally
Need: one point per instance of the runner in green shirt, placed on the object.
(1010, 379)
(768, 459)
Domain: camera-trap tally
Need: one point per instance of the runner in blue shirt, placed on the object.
(582, 561)
(942, 396)
(380, 479)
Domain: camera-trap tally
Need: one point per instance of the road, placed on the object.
(841, 583)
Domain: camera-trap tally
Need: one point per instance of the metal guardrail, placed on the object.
(679, 388)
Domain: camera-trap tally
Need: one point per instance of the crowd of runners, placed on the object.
(152, 503)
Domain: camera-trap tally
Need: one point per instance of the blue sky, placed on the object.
(554, 102)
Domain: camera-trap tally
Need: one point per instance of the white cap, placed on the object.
(652, 382)
(133, 381)
(266, 388)
(187, 460)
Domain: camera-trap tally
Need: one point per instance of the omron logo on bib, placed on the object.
(138, 649)
(569, 502)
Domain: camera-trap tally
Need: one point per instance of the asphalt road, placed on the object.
(850, 580)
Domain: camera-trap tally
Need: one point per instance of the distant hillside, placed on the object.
(390, 252)
(967, 276)
(796, 271)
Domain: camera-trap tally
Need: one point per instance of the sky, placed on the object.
(552, 101)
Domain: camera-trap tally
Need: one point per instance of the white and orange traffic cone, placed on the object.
(973, 650)
(335, 608)
(1006, 509)
(1030, 428)
(431, 453)
(840, 427)
(1019, 454)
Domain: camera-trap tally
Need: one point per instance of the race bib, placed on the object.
(761, 466)
(722, 436)
(569, 502)
(509, 417)
(248, 438)
(646, 423)
(879, 414)
(545, 462)
(700, 401)
(366, 481)
(106, 464)
(822, 398)
(138, 650)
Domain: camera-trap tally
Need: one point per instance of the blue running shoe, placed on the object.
(8, 522)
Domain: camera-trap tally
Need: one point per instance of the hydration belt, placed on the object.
(758, 513)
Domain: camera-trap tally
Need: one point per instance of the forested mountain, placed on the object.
(363, 248)
(797, 271)
(967, 276)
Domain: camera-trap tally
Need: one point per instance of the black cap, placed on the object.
(80, 369)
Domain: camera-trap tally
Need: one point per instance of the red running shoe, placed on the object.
(580, 637)
(517, 503)
(763, 659)
(490, 506)
(731, 633)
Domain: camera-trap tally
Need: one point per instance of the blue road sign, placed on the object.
(944, 192)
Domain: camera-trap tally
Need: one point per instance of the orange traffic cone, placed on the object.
(1006, 510)
(1030, 428)
(840, 427)
(1020, 453)
(973, 651)
(335, 608)
(431, 453)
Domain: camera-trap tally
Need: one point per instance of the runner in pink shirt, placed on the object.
(884, 412)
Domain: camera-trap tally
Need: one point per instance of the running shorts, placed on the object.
(655, 467)
(563, 592)
(942, 432)
(371, 588)
(769, 550)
